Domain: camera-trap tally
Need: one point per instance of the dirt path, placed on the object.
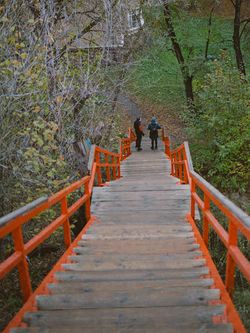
(167, 117)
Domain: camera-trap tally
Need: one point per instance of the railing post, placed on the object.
(230, 268)
(119, 167)
(113, 168)
(205, 220)
(172, 164)
(23, 267)
(66, 224)
(167, 145)
(185, 173)
(107, 167)
(179, 165)
(192, 203)
(87, 203)
(121, 150)
(98, 168)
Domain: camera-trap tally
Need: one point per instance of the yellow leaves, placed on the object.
(24, 55)
(59, 99)
(4, 19)
(16, 63)
(37, 109)
(53, 126)
(48, 135)
(20, 45)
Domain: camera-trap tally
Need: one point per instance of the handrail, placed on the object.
(238, 224)
(14, 227)
(166, 141)
(125, 145)
(12, 223)
(238, 220)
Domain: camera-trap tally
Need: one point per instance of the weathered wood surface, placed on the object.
(138, 268)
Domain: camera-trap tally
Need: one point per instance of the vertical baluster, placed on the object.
(192, 203)
(107, 167)
(230, 268)
(23, 267)
(98, 169)
(119, 167)
(180, 165)
(87, 203)
(177, 165)
(113, 167)
(172, 164)
(121, 152)
(185, 173)
(205, 220)
(66, 224)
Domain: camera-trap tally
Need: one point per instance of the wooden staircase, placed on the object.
(138, 268)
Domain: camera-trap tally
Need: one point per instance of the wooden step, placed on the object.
(85, 287)
(82, 264)
(223, 328)
(139, 298)
(130, 275)
(132, 248)
(144, 217)
(192, 317)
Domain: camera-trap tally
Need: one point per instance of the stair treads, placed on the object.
(139, 298)
(86, 287)
(130, 275)
(192, 316)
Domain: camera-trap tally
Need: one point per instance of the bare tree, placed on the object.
(187, 76)
(238, 21)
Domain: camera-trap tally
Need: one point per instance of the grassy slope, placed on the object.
(157, 76)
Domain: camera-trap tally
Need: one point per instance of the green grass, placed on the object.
(156, 74)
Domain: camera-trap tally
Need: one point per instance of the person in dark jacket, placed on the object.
(153, 128)
(139, 133)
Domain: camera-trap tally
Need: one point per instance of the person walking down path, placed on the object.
(153, 128)
(139, 133)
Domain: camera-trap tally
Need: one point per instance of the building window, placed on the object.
(135, 19)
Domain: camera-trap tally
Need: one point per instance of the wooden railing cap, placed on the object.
(21, 211)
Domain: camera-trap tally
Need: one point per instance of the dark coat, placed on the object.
(138, 127)
(153, 128)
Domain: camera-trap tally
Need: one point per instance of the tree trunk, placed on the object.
(209, 32)
(188, 82)
(236, 38)
(187, 78)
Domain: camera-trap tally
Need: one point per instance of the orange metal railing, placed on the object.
(103, 166)
(238, 225)
(166, 141)
(14, 227)
(125, 145)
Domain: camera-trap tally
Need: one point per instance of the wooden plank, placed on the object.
(116, 257)
(223, 328)
(128, 196)
(83, 265)
(130, 275)
(143, 246)
(140, 298)
(102, 228)
(192, 316)
(140, 236)
(128, 248)
(160, 216)
(83, 287)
